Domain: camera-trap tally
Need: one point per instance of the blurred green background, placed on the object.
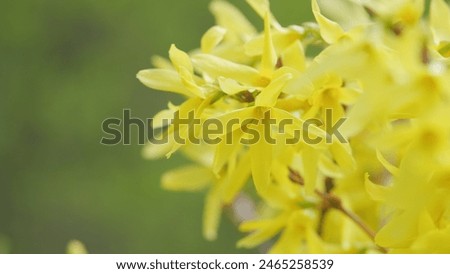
(65, 67)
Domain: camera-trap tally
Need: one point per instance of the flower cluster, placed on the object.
(376, 71)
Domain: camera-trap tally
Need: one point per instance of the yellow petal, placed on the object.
(183, 64)
(261, 161)
(237, 178)
(315, 244)
(290, 241)
(212, 213)
(269, 57)
(329, 168)
(344, 60)
(252, 225)
(232, 19)
(212, 38)
(310, 171)
(329, 30)
(279, 198)
(230, 86)
(233, 119)
(296, 231)
(201, 154)
(76, 247)
(187, 78)
(180, 59)
(231, 139)
(294, 56)
(229, 144)
(343, 155)
(436, 241)
(439, 21)
(161, 62)
(187, 178)
(426, 223)
(376, 192)
(158, 150)
(399, 232)
(164, 117)
(215, 67)
(163, 79)
(390, 167)
(349, 96)
(298, 125)
(184, 130)
(269, 95)
(280, 39)
(280, 175)
(262, 7)
(338, 11)
(265, 230)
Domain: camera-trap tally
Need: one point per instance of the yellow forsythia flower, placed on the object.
(76, 247)
(348, 150)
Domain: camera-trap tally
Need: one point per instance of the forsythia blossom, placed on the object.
(337, 131)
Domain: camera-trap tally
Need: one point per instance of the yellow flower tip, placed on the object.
(180, 59)
(330, 31)
(153, 151)
(161, 62)
(229, 17)
(210, 235)
(191, 178)
(212, 38)
(262, 7)
(388, 166)
(163, 79)
(76, 247)
(168, 182)
(173, 50)
(269, 57)
(212, 212)
(141, 76)
(248, 242)
(439, 21)
(216, 67)
(376, 192)
(270, 94)
(243, 244)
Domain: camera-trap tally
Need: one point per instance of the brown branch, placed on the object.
(329, 200)
(329, 185)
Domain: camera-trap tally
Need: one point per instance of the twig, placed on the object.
(329, 200)
(329, 185)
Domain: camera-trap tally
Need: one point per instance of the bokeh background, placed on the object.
(65, 67)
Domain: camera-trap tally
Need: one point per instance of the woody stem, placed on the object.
(330, 200)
